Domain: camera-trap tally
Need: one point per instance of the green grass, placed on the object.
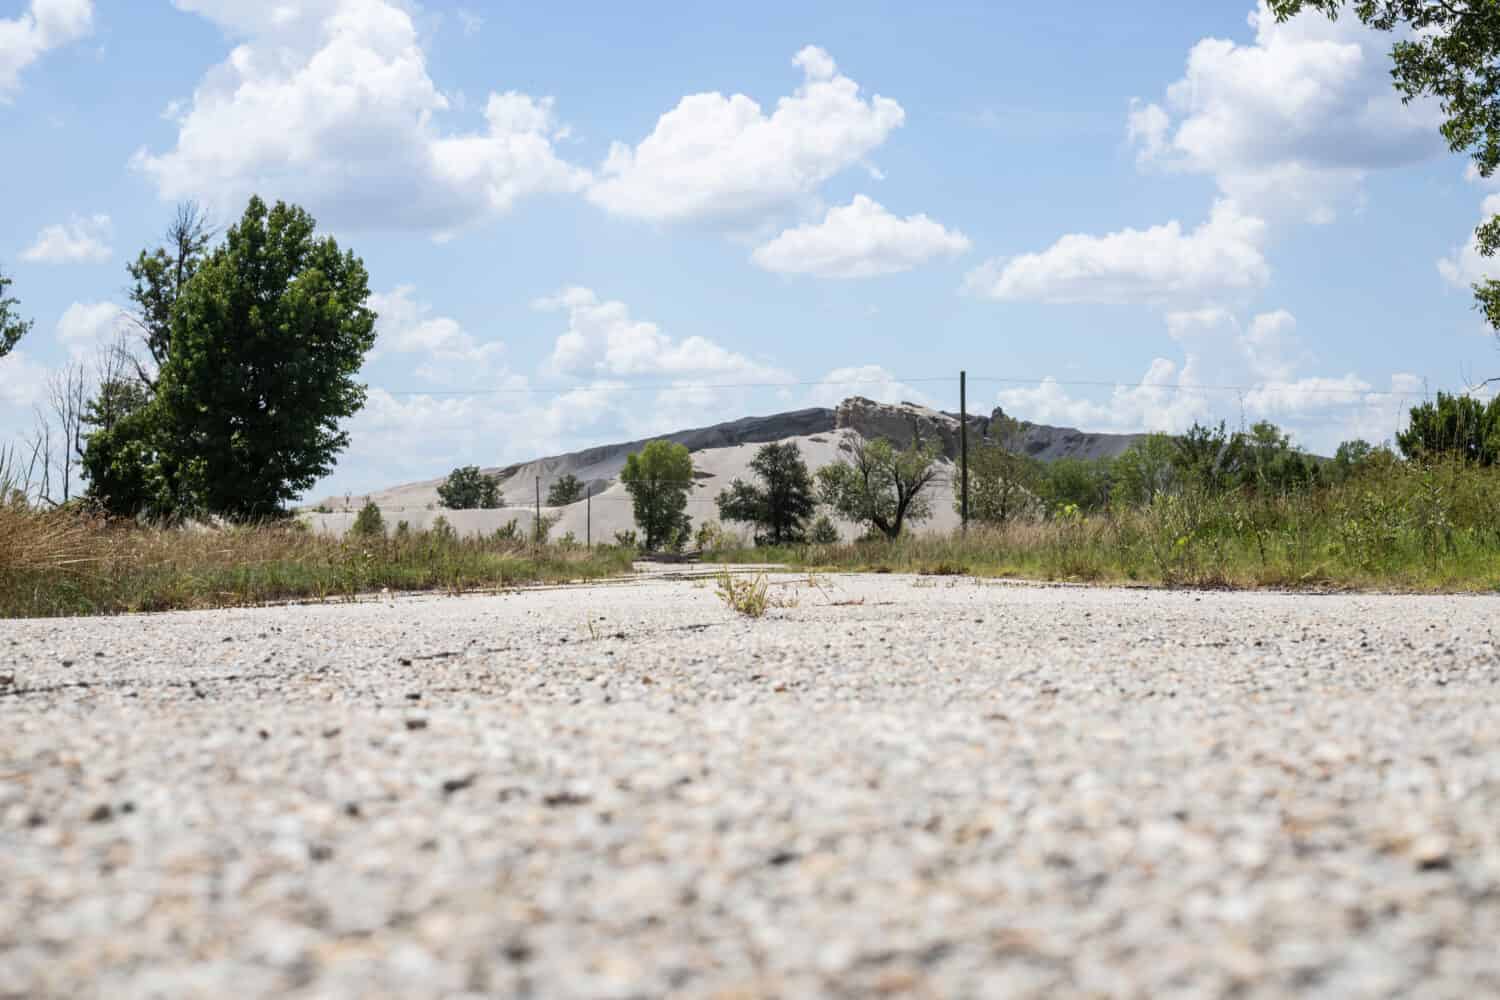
(63, 563)
(1408, 529)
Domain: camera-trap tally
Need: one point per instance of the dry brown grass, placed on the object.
(63, 562)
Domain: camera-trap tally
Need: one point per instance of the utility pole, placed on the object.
(588, 516)
(963, 442)
(537, 527)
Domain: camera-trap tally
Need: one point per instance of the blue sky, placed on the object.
(564, 213)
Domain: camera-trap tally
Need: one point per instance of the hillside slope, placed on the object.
(721, 454)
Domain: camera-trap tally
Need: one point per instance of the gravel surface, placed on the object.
(926, 787)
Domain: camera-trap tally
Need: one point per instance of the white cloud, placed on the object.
(1290, 124)
(21, 384)
(1165, 400)
(1266, 345)
(329, 103)
(87, 327)
(447, 352)
(1466, 266)
(603, 338)
(471, 22)
(81, 240)
(869, 381)
(1159, 265)
(723, 159)
(46, 25)
(1186, 324)
(859, 240)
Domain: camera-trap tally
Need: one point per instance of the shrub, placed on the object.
(568, 489)
(823, 531)
(369, 523)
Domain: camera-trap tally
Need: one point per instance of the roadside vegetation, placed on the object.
(65, 561)
(1212, 508)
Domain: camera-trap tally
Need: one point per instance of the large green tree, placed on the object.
(12, 326)
(659, 478)
(467, 488)
(876, 485)
(266, 339)
(780, 503)
(1450, 50)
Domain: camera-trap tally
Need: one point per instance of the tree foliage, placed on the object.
(466, 488)
(568, 489)
(12, 326)
(159, 278)
(659, 478)
(879, 486)
(1456, 426)
(1450, 50)
(1002, 484)
(1145, 471)
(780, 504)
(369, 523)
(1083, 483)
(267, 336)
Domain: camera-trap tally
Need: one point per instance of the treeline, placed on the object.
(1005, 484)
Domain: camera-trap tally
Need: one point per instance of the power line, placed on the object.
(659, 387)
(1357, 393)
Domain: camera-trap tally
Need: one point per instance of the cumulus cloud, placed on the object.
(79, 241)
(1289, 124)
(1166, 399)
(1466, 266)
(859, 240)
(720, 158)
(1160, 265)
(1267, 344)
(604, 339)
(87, 327)
(444, 350)
(45, 25)
(329, 103)
(869, 381)
(1258, 379)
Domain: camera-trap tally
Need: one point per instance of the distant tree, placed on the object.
(1449, 49)
(879, 486)
(159, 278)
(659, 478)
(1145, 471)
(369, 523)
(267, 337)
(1454, 426)
(1084, 483)
(1206, 457)
(1350, 460)
(1001, 484)
(12, 327)
(1271, 463)
(568, 489)
(466, 488)
(823, 531)
(780, 503)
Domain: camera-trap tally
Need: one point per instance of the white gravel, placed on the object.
(951, 789)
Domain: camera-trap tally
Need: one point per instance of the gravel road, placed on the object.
(917, 787)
